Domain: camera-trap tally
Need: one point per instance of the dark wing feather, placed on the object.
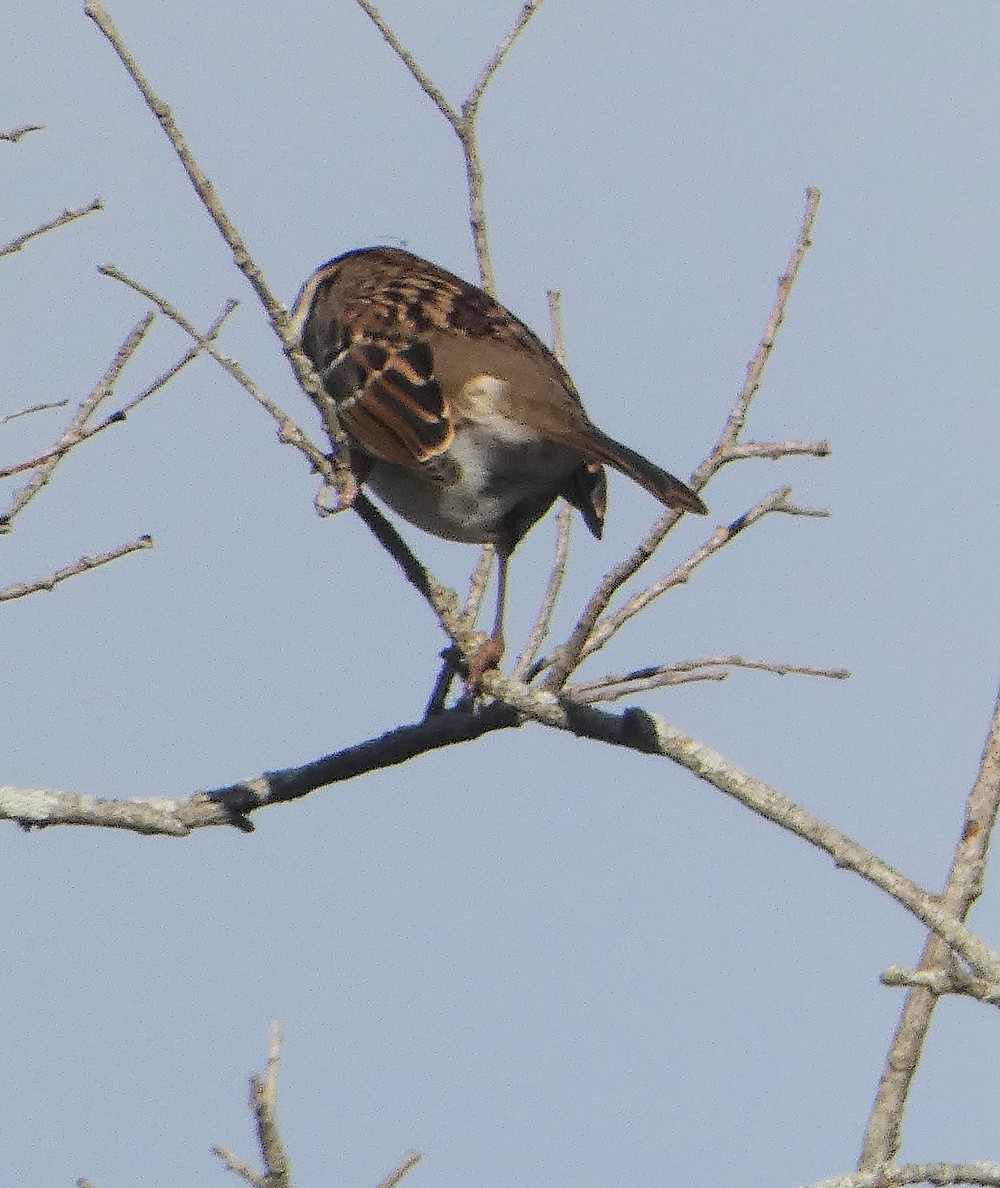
(390, 402)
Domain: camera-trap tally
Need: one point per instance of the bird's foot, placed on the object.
(485, 657)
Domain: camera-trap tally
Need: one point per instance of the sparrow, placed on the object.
(458, 415)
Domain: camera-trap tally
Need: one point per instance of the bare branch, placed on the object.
(514, 704)
(464, 124)
(264, 1103)
(67, 216)
(15, 134)
(985, 1173)
(755, 371)
(611, 687)
(406, 1164)
(962, 889)
(424, 81)
(278, 315)
(288, 431)
(543, 621)
(69, 442)
(583, 634)
(680, 574)
(441, 599)
(470, 107)
(50, 581)
(240, 1167)
(26, 412)
(478, 581)
(264, 1098)
(105, 386)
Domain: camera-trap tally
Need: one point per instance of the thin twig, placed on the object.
(543, 620)
(570, 654)
(26, 412)
(264, 1098)
(962, 889)
(612, 687)
(119, 416)
(276, 312)
(611, 624)
(240, 1167)
(478, 582)
(15, 134)
(60, 220)
(84, 565)
(105, 386)
(441, 599)
(424, 81)
(774, 450)
(464, 123)
(264, 1103)
(471, 106)
(758, 364)
(468, 135)
(406, 1164)
(288, 431)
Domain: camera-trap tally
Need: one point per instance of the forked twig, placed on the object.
(962, 889)
(264, 1102)
(777, 501)
(105, 386)
(711, 668)
(570, 654)
(464, 122)
(276, 312)
(84, 433)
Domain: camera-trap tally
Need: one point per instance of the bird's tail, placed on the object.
(670, 491)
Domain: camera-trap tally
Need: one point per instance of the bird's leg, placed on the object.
(490, 651)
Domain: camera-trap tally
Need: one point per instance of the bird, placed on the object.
(459, 417)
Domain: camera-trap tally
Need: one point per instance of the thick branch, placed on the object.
(985, 1173)
(516, 703)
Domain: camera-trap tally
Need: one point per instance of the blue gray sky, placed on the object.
(538, 960)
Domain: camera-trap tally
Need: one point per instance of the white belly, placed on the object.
(496, 472)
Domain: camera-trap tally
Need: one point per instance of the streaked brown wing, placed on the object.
(389, 400)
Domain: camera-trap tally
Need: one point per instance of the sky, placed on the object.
(536, 959)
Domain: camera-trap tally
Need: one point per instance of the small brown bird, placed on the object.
(460, 418)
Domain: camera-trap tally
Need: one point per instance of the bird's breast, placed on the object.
(497, 465)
